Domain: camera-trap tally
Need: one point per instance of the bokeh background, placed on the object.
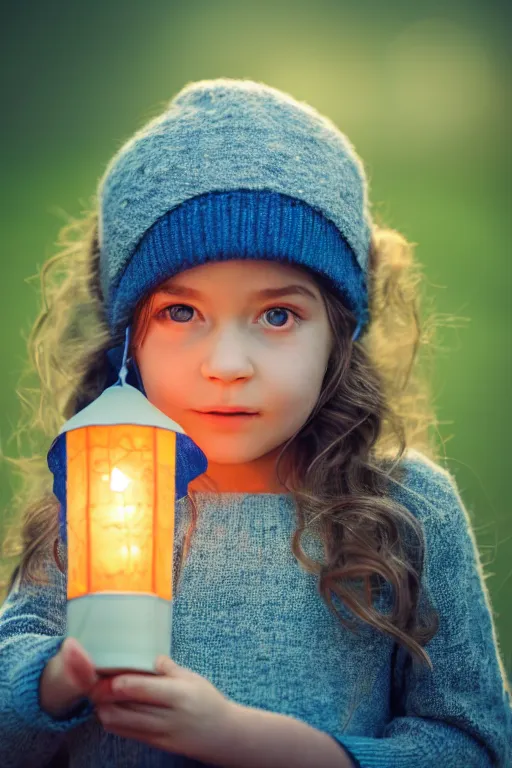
(421, 89)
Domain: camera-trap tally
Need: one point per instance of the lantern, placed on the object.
(119, 467)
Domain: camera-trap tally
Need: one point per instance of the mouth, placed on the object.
(229, 411)
(228, 414)
(227, 417)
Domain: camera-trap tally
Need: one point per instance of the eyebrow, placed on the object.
(265, 293)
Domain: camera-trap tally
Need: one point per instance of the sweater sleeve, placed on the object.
(460, 713)
(32, 629)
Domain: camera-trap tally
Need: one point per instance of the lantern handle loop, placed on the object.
(124, 366)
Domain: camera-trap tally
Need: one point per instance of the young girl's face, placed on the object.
(249, 334)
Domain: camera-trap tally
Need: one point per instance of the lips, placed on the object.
(230, 410)
(227, 415)
(232, 418)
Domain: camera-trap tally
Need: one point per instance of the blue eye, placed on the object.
(178, 316)
(278, 313)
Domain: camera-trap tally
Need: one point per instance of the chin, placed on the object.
(232, 456)
(230, 451)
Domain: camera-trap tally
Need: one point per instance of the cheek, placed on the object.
(296, 385)
(165, 380)
(166, 390)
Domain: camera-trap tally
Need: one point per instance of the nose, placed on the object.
(227, 356)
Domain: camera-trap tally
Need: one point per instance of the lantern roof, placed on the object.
(121, 404)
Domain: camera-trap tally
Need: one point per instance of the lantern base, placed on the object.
(121, 631)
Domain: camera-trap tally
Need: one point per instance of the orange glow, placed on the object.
(120, 509)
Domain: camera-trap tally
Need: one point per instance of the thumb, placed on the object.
(67, 677)
(77, 665)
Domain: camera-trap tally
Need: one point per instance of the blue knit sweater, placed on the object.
(249, 618)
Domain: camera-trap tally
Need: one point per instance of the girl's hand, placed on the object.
(67, 678)
(176, 710)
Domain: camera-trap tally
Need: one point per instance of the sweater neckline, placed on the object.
(212, 499)
(225, 494)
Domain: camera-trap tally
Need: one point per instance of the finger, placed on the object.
(161, 691)
(147, 709)
(113, 716)
(102, 689)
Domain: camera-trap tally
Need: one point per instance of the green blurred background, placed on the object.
(423, 92)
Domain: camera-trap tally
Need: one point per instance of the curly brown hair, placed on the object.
(374, 405)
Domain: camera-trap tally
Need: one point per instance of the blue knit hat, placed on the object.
(233, 169)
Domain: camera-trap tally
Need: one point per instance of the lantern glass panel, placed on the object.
(120, 509)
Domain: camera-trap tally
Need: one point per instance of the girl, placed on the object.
(330, 607)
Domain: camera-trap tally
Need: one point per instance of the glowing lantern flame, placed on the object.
(118, 480)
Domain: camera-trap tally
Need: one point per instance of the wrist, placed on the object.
(223, 737)
(252, 737)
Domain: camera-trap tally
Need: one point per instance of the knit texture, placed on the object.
(250, 619)
(227, 135)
